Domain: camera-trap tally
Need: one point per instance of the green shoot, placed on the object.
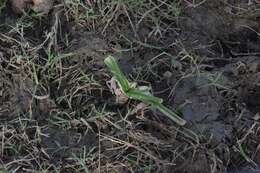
(115, 70)
(137, 94)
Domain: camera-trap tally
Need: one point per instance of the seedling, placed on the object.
(133, 92)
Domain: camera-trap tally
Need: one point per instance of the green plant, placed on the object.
(2, 5)
(134, 93)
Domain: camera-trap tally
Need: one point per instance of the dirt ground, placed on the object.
(57, 113)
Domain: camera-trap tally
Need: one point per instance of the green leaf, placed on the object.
(142, 96)
(170, 114)
(115, 70)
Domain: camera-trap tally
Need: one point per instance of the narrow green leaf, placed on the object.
(140, 95)
(170, 114)
(115, 70)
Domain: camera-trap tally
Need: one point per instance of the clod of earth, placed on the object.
(42, 6)
(39, 6)
(19, 5)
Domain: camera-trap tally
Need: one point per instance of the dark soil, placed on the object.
(57, 113)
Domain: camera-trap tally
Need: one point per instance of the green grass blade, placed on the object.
(170, 114)
(115, 70)
(140, 95)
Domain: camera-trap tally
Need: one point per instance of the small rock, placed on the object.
(167, 75)
(254, 67)
(39, 6)
(19, 6)
(42, 6)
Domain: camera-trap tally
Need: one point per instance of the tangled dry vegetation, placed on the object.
(58, 114)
